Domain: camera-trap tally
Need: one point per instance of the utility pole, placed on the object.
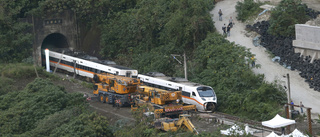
(289, 94)
(184, 63)
(288, 91)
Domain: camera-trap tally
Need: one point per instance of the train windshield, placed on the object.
(205, 92)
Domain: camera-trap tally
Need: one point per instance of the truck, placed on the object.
(115, 89)
(165, 103)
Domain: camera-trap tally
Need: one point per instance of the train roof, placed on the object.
(178, 80)
(82, 55)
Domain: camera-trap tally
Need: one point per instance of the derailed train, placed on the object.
(192, 93)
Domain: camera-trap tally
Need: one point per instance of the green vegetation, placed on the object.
(138, 34)
(43, 109)
(145, 36)
(6, 85)
(285, 16)
(247, 9)
(15, 38)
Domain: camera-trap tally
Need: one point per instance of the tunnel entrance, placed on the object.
(53, 41)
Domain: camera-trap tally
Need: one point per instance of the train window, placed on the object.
(169, 84)
(194, 94)
(117, 72)
(180, 88)
(109, 69)
(184, 93)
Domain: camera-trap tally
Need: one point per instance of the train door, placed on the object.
(185, 96)
(193, 99)
(75, 66)
(128, 74)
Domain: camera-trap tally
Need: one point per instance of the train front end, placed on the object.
(208, 99)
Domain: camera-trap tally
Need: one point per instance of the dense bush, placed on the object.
(285, 16)
(19, 70)
(247, 9)
(15, 34)
(43, 109)
(6, 85)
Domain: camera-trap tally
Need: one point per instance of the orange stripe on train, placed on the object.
(193, 99)
(71, 67)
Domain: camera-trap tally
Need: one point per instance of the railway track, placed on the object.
(219, 117)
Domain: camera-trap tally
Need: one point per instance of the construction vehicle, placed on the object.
(183, 122)
(114, 89)
(165, 103)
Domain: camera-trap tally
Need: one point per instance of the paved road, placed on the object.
(300, 90)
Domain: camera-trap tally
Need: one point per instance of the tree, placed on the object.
(246, 9)
(285, 16)
(15, 34)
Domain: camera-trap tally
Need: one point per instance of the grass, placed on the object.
(270, 54)
(87, 85)
(6, 85)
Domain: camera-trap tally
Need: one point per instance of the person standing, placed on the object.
(228, 30)
(220, 15)
(224, 29)
(253, 63)
(301, 106)
(231, 22)
(292, 105)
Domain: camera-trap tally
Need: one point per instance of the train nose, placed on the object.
(210, 106)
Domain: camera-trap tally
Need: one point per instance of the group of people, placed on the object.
(226, 29)
(301, 106)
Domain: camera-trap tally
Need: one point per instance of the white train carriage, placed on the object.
(87, 68)
(192, 93)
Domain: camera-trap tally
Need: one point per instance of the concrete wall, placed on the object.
(307, 40)
(64, 23)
